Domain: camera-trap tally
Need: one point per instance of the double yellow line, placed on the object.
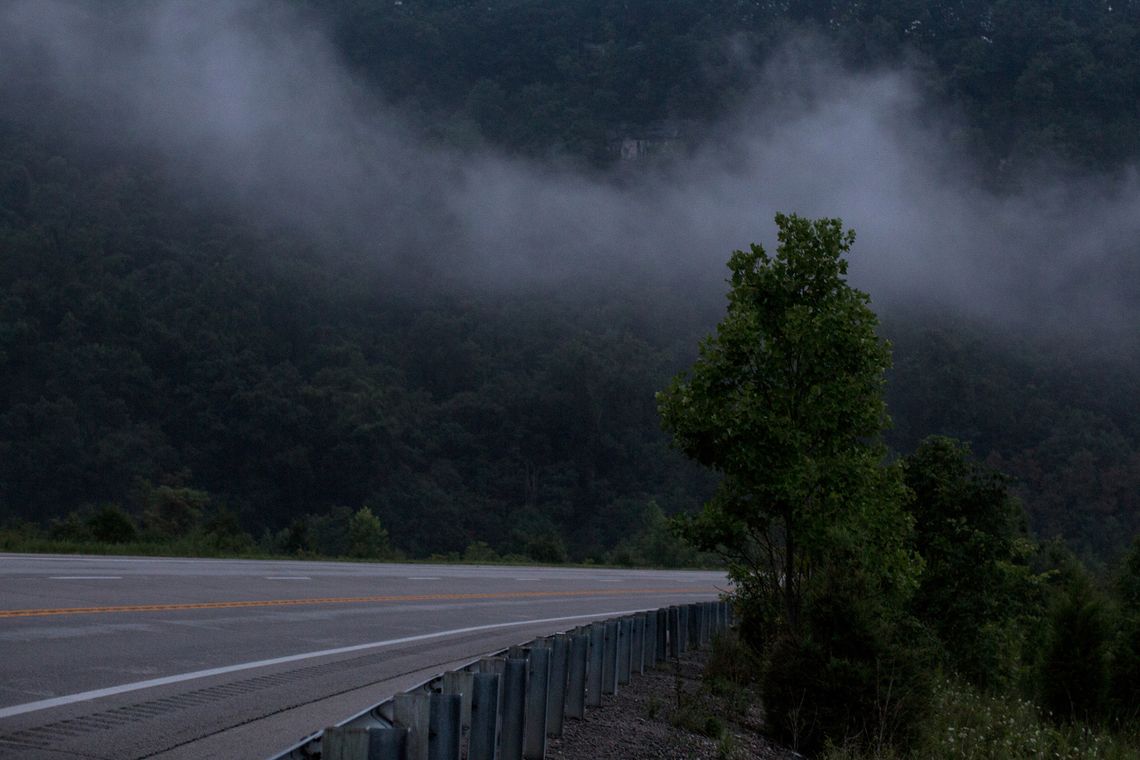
(395, 598)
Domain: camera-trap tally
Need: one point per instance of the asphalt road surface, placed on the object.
(111, 657)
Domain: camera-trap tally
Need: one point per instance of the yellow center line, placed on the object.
(333, 600)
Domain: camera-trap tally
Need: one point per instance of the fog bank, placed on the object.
(248, 102)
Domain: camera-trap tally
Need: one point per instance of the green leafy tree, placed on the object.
(976, 590)
(785, 401)
(367, 538)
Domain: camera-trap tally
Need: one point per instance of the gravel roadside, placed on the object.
(672, 714)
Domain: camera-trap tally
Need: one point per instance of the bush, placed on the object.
(367, 538)
(976, 591)
(1074, 670)
(111, 525)
(1124, 685)
(70, 528)
(173, 512)
(731, 661)
(1125, 681)
(851, 677)
(547, 548)
(480, 551)
(222, 533)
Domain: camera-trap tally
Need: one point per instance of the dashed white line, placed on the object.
(85, 577)
(287, 578)
(423, 578)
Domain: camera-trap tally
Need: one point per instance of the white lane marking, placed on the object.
(110, 691)
(43, 558)
(528, 579)
(609, 580)
(423, 578)
(85, 578)
(287, 578)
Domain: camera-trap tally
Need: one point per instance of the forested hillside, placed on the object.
(164, 350)
(1037, 79)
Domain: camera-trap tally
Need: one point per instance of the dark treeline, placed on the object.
(149, 341)
(143, 347)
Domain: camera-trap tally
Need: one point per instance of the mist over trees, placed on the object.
(453, 305)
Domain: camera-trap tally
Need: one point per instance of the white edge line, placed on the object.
(110, 691)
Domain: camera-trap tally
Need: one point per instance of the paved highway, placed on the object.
(111, 657)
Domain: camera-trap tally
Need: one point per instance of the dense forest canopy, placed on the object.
(434, 258)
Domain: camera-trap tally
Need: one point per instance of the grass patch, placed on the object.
(966, 724)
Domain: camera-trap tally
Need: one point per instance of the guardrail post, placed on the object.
(596, 673)
(686, 640)
(576, 677)
(639, 643)
(674, 636)
(556, 704)
(359, 743)
(343, 743)
(444, 726)
(610, 659)
(413, 712)
(625, 649)
(537, 693)
(662, 634)
(484, 716)
(514, 706)
(387, 743)
(498, 666)
(693, 640)
(459, 682)
(650, 643)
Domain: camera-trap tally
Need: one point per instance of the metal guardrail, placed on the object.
(505, 705)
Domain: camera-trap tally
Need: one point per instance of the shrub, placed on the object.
(546, 547)
(70, 528)
(367, 538)
(480, 551)
(852, 677)
(1074, 670)
(112, 525)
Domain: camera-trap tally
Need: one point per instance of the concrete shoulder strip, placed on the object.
(110, 691)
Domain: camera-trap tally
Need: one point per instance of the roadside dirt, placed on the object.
(670, 714)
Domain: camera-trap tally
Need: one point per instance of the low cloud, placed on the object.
(248, 101)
